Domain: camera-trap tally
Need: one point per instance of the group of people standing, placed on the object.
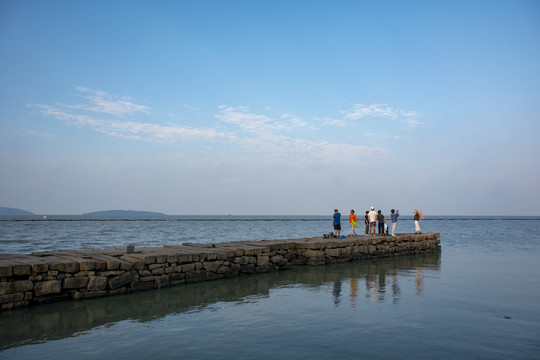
(374, 222)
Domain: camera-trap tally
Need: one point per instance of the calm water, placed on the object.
(479, 298)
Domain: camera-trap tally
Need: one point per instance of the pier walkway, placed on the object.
(51, 276)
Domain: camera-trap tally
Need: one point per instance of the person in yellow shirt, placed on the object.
(353, 219)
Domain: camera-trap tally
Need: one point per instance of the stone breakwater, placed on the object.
(51, 276)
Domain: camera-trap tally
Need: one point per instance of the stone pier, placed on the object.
(45, 277)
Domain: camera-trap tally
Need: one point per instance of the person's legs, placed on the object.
(394, 224)
(417, 226)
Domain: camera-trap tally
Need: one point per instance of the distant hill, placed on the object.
(13, 211)
(124, 213)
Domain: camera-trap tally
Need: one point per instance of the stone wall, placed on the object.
(46, 277)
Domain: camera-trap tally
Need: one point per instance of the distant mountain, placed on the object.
(124, 213)
(13, 211)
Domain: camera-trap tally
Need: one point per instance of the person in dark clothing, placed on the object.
(366, 221)
(381, 221)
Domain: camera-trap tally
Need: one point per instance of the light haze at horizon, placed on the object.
(270, 108)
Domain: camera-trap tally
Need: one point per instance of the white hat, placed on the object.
(372, 208)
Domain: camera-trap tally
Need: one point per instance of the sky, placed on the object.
(270, 107)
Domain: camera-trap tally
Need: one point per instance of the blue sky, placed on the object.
(270, 107)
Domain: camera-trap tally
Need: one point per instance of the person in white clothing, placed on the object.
(372, 215)
(417, 216)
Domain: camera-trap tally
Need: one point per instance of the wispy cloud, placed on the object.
(260, 136)
(101, 102)
(413, 123)
(261, 125)
(135, 130)
(360, 111)
(333, 121)
(295, 121)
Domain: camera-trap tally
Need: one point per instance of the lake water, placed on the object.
(479, 298)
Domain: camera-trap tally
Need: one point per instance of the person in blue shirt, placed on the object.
(336, 221)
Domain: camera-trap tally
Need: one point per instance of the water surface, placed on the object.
(476, 299)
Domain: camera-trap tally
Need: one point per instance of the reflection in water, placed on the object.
(337, 292)
(63, 320)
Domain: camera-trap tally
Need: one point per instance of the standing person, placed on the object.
(353, 219)
(393, 219)
(366, 222)
(372, 221)
(336, 221)
(417, 216)
(382, 222)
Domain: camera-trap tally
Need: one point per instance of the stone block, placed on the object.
(154, 266)
(15, 286)
(40, 268)
(214, 276)
(187, 267)
(75, 282)
(138, 264)
(88, 295)
(9, 298)
(195, 276)
(177, 277)
(118, 291)
(64, 266)
(315, 261)
(312, 253)
(141, 286)
(122, 280)
(96, 283)
(212, 265)
(21, 270)
(172, 258)
(158, 271)
(235, 269)
(333, 252)
(184, 258)
(247, 269)
(160, 258)
(224, 269)
(162, 281)
(143, 273)
(263, 260)
(47, 287)
(262, 269)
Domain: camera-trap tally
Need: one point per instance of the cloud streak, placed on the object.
(360, 111)
(261, 137)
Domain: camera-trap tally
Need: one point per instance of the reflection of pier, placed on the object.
(61, 320)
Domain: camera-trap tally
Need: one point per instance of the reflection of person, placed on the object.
(382, 222)
(337, 223)
(393, 219)
(354, 290)
(417, 217)
(372, 221)
(336, 291)
(353, 219)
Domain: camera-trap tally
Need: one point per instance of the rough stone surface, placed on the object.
(122, 280)
(82, 274)
(47, 287)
